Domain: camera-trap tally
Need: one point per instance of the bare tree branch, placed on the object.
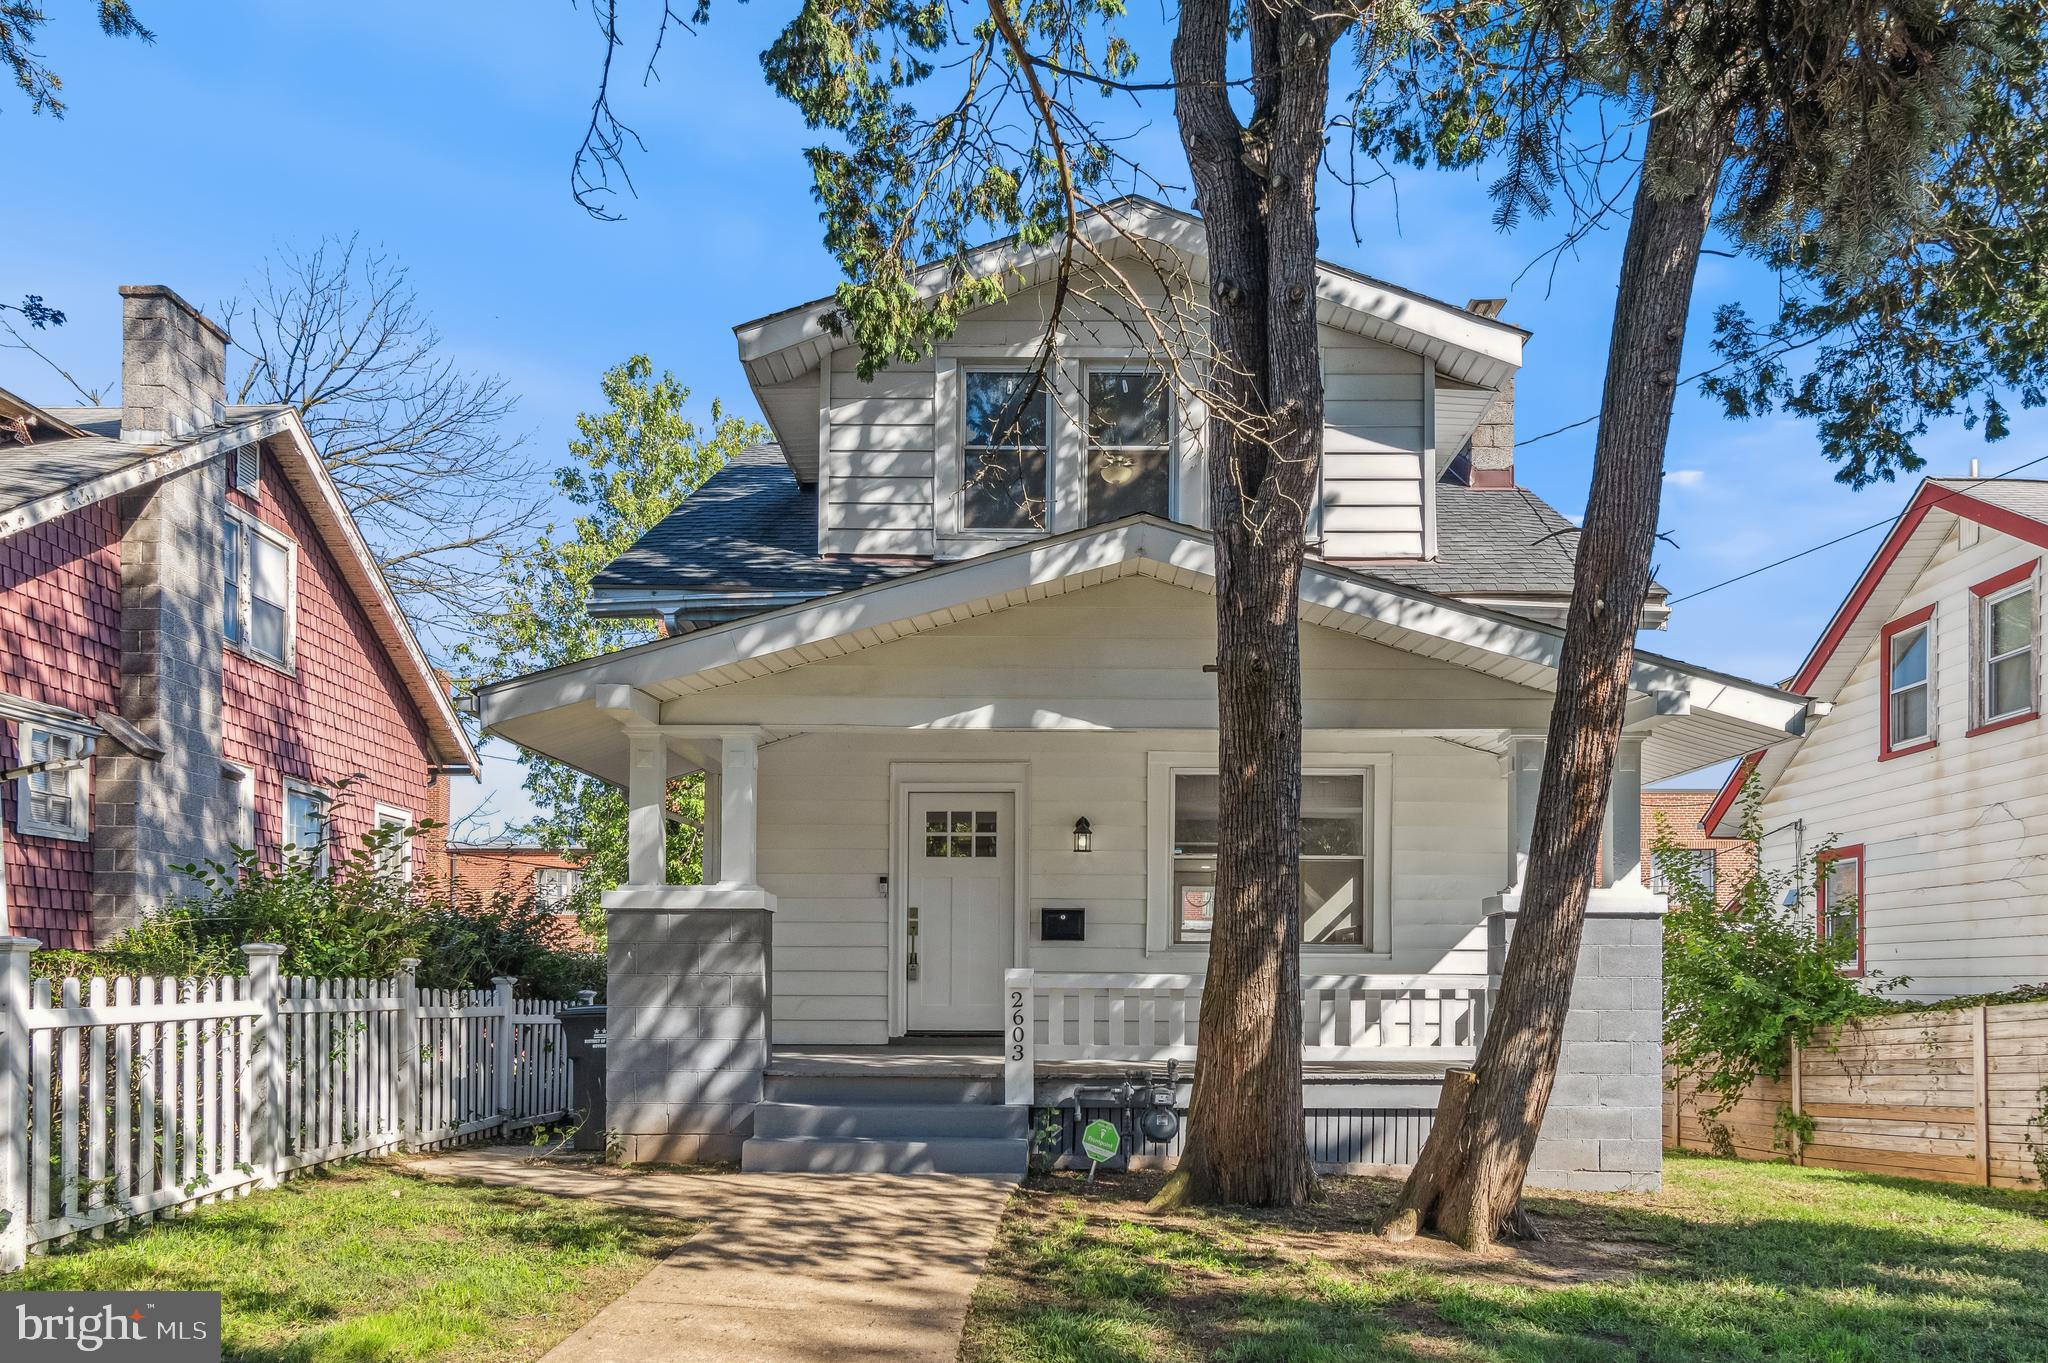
(418, 445)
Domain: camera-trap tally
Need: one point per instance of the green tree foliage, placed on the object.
(21, 23)
(1890, 177)
(1746, 979)
(635, 461)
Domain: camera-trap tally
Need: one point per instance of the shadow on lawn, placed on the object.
(1611, 1282)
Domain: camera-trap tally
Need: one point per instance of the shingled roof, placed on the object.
(751, 531)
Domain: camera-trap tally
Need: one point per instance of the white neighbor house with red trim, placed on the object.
(1921, 783)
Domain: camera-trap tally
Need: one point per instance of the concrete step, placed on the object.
(886, 1121)
(1005, 1158)
(863, 1089)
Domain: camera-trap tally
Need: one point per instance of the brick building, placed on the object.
(1721, 862)
(197, 651)
(487, 868)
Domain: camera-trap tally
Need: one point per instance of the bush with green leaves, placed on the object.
(1746, 980)
(358, 916)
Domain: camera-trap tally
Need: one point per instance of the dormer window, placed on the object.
(1003, 478)
(1130, 444)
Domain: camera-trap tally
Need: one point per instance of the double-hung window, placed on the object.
(1130, 444)
(1003, 476)
(2004, 632)
(256, 598)
(1336, 843)
(52, 800)
(1907, 655)
(305, 823)
(1841, 902)
(1698, 862)
(554, 886)
(395, 856)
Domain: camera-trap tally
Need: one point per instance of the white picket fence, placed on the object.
(123, 1099)
(1071, 1015)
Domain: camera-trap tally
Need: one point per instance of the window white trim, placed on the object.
(238, 633)
(1162, 767)
(949, 456)
(1176, 445)
(1894, 740)
(244, 781)
(386, 816)
(75, 780)
(1987, 660)
(323, 802)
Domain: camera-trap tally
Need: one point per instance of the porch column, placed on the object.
(1622, 862)
(737, 804)
(647, 810)
(1525, 779)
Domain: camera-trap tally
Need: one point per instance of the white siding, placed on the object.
(880, 486)
(875, 477)
(1129, 651)
(1375, 438)
(1956, 838)
(824, 828)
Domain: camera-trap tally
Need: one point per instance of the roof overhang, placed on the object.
(1874, 598)
(1690, 717)
(307, 473)
(1466, 346)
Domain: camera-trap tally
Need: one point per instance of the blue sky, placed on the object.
(444, 133)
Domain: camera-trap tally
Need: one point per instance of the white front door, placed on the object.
(957, 919)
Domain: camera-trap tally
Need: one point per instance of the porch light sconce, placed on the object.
(1084, 836)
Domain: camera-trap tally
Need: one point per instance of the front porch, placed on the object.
(981, 799)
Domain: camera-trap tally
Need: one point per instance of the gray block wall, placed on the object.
(153, 815)
(686, 1031)
(1604, 1128)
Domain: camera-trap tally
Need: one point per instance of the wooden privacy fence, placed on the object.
(1955, 1095)
(122, 1099)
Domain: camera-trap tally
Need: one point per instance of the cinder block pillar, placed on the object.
(1603, 1131)
(687, 1020)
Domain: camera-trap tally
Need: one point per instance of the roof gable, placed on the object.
(2016, 507)
(73, 473)
(1703, 717)
(1467, 347)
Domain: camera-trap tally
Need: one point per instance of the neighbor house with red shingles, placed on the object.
(197, 650)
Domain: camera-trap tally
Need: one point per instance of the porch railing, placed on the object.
(1058, 1015)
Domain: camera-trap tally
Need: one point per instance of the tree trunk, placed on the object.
(1468, 1181)
(1264, 439)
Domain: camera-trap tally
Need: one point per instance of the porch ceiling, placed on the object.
(1692, 717)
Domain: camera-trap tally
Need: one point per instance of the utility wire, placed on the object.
(1829, 544)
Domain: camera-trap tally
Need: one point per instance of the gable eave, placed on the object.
(1691, 712)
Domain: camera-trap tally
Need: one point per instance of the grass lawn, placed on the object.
(372, 1262)
(1730, 1262)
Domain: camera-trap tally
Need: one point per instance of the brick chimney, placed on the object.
(173, 366)
(1490, 455)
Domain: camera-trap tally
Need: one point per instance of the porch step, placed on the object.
(875, 1086)
(770, 1155)
(888, 1121)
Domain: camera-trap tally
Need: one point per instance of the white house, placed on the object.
(1924, 788)
(947, 674)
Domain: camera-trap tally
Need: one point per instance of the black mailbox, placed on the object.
(1063, 925)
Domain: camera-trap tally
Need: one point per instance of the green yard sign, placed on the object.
(1099, 1140)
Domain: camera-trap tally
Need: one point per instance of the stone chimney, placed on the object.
(1490, 456)
(174, 373)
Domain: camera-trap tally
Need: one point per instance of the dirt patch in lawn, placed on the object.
(1742, 1263)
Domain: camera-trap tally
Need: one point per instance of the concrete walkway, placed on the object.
(788, 1268)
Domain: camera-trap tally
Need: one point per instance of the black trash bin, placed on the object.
(583, 1033)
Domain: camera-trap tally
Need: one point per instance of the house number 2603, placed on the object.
(1017, 1024)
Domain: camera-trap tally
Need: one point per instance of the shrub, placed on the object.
(359, 917)
(1745, 981)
